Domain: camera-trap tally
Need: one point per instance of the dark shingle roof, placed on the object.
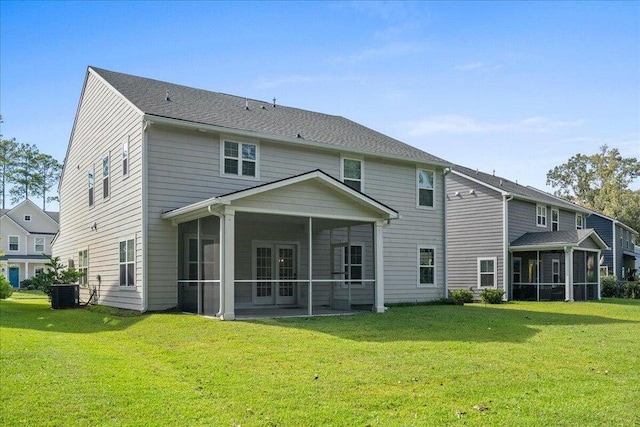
(228, 111)
(553, 238)
(518, 190)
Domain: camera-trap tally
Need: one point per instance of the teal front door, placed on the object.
(14, 276)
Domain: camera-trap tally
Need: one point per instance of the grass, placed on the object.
(514, 364)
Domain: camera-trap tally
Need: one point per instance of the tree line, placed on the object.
(26, 172)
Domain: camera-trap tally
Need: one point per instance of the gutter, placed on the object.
(145, 219)
(445, 172)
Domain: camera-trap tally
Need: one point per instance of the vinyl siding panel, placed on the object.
(604, 228)
(522, 219)
(474, 230)
(104, 121)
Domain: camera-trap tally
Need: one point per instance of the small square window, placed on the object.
(27, 217)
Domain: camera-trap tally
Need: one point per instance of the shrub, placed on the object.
(5, 288)
(492, 296)
(461, 295)
(631, 290)
(609, 286)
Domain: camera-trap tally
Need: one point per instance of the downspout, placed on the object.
(445, 172)
(614, 254)
(145, 219)
(505, 246)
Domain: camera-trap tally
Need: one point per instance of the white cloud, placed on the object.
(457, 124)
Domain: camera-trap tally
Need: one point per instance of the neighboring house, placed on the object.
(620, 259)
(179, 197)
(26, 232)
(504, 235)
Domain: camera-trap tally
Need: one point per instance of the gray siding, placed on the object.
(474, 230)
(103, 122)
(604, 228)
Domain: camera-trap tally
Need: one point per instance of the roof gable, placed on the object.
(198, 106)
(42, 222)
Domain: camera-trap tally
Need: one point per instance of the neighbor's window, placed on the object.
(353, 264)
(125, 158)
(38, 271)
(127, 263)
(83, 266)
(487, 272)
(105, 177)
(516, 268)
(579, 221)
(38, 244)
(555, 270)
(27, 217)
(426, 186)
(541, 215)
(352, 173)
(14, 243)
(240, 158)
(90, 185)
(426, 266)
(555, 219)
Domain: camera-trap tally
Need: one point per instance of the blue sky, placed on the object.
(515, 87)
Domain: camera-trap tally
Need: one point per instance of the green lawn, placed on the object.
(515, 364)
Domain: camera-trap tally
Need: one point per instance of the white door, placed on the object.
(286, 269)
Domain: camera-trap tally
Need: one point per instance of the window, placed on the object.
(127, 263)
(125, 158)
(38, 271)
(240, 159)
(555, 219)
(105, 177)
(352, 173)
(426, 183)
(517, 269)
(27, 218)
(604, 270)
(426, 266)
(487, 272)
(541, 215)
(579, 221)
(555, 270)
(38, 244)
(83, 266)
(353, 267)
(90, 184)
(14, 243)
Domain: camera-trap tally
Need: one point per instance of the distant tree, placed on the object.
(24, 176)
(48, 172)
(600, 182)
(8, 161)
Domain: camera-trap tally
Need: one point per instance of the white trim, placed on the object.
(357, 159)
(434, 266)
(557, 221)
(9, 243)
(433, 190)
(480, 273)
(538, 216)
(239, 159)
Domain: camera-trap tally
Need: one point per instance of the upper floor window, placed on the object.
(487, 276)
(541, 215)
(90, 185)
(14, 243)
(27, 217)
(352, 173)
(426, 187)
(38, 244)
(579, 221)
(240, 159)
(426, 266)
(555, 219)
(125, 158)
(105, 177)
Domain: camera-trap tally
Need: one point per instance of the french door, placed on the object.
(275, 272)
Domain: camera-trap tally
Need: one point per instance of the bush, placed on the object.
(492, 296)
(609, 286)
(461, 295)
(5, 288)
(631, 290)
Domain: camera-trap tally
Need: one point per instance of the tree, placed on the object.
(48, 172)
(600, 182)
(24, 176)
(8, 161)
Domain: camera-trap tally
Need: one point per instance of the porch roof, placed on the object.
(631, 254)
(327, 182)
(548, 240)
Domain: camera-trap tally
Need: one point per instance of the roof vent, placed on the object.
(246, 104)
(477, 171)
(166, 96)
(299, 136)
(263, 107)
(274, 102)
(500, 182)
(494, 172)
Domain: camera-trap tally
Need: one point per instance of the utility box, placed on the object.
(65, 296)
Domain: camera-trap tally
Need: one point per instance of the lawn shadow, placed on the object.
(37, 314)
(468, 323)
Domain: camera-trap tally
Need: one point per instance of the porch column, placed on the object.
(26, 269)
(228, 281)
(568, 274)
(379, 291)
(310, 290)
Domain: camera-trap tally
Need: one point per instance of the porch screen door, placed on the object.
(286, 270)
